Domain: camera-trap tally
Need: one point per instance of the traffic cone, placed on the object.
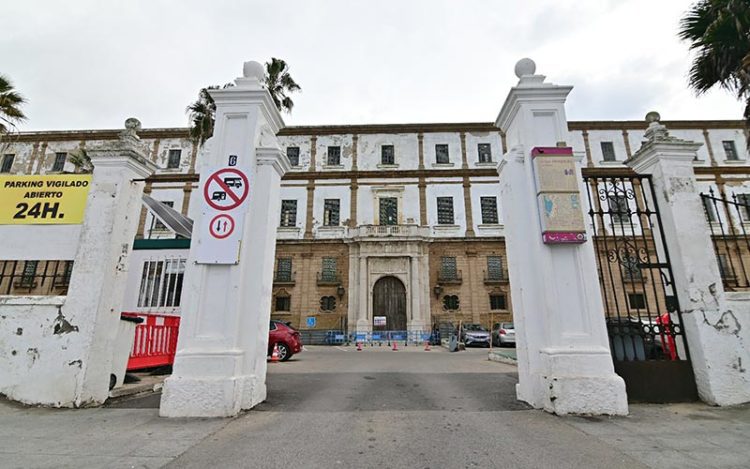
(426, 345)
(359, 346)
(275, 353)
(395, 346)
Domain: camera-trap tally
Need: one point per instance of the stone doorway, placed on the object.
(389, 301)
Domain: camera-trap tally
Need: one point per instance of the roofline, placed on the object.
(182, 132)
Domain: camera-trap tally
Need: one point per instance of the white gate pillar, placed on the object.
(564, 361)
(712, 328)
(221, 352)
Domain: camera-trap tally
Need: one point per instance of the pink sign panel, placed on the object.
(568, 237)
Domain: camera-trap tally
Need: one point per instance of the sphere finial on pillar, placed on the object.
(253, 69)
(653, 116)
(524, 67)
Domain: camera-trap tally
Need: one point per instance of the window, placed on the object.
(387, 154)
(173, 161)
(448, 269)
(608, 151)
(331, 212)
(450, 302)
(618, 208)
(7, 163)
(59, 163)
(328, 303)
(637, 300)
(489, 210)
(29, 273)
(292, 153)
(631, 269)
(161, 283)
(485, 152)
(494, 268)
(284, 269)
(157, 224)
(744, 207)
(328, 269)
(283, 303)
(730, 150)
(441, 154)
(497, 301)
(725, 267)
(63, 279)
(388, 211)
(710, 209)
(445, 210)
(288, 213)
(334, 156)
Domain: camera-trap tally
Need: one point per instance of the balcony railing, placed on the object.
(35, 277)
(283, 278)
(383, 231)
(329, 278)
(450, 278)
(495, 278)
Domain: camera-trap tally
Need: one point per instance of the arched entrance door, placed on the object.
(389, 301)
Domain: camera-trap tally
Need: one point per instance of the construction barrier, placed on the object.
(155, 341)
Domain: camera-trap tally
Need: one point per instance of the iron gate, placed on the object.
(643, 316)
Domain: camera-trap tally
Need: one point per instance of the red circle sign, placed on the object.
(221, 226)
(226, 189)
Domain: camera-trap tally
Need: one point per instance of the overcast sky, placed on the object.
(90, 64)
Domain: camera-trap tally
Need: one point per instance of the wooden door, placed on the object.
(389, 300)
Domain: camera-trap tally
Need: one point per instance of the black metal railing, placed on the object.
(34, 277)
(329, 278)
(450, 277)
(729, 219)
(495, 277)
(283, 278)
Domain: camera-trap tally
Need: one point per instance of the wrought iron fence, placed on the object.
(35, 277)
(729, 220)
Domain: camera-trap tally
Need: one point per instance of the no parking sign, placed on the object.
(225, 192)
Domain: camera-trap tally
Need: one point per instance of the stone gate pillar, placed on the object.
(713, 325)
(221, 353)
(564, 361)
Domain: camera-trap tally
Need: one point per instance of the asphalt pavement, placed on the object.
(336, 407)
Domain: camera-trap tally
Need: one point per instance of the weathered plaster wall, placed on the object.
(39, 242)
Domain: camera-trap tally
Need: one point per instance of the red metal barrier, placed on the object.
(155, 341)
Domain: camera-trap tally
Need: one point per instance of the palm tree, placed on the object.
(279, 83)
(719, 32)
(10, 112)
(203, 111)
(81, 160)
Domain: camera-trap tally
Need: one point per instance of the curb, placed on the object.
(496, 357)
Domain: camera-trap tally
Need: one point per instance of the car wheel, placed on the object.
(284, 352)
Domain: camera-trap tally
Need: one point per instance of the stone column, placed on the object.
(220, 363)
(364, 323)
(564, 362)
(97, 285)
(713, 323)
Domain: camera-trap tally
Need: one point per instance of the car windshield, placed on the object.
(475, 327)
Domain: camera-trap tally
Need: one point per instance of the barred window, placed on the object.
(618, 208)
(328, 269)
(448, 270)
(631, 269)
(489, 210)
(387, 154)
(725, 267)
(494, 268)
(445, 211)
(161, 283)
(328, 303)
(450, 302)
(331, 212)
(608, 151)
(730, 150)
(7, 163)
(283, 303)
(59, 163)
(334, 156)
(29, 273)
(292, 153)
(284, 269)
(441, 153)
(744, 207)
(497, 301)
(637, 300)
(288, 213)
(173, 161)
(485, 152)
(388, 211)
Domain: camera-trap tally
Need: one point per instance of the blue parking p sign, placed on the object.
(311, 321)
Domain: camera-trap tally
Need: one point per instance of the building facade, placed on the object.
(383, 227)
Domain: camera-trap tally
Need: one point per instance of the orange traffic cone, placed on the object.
(359, 346)
(395, 346)
(426, 345)
(275, 354)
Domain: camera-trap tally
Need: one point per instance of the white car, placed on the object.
(504, 334)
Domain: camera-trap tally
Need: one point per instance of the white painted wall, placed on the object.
(435, 190)
(321, 156)
(298, 193)
(341, 192)
(453, 140)
(406, 149)
(301, 141)
(473, 139)
(39, 242)
(477, 192)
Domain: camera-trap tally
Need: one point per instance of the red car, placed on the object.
(288, 340)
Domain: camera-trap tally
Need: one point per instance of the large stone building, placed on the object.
(380, 224)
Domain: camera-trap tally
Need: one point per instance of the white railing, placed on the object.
(382, 231)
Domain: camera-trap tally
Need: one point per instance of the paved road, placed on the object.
(335, 407)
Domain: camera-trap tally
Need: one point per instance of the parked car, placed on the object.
(503, 334)
(286, 337)
(473, 334)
